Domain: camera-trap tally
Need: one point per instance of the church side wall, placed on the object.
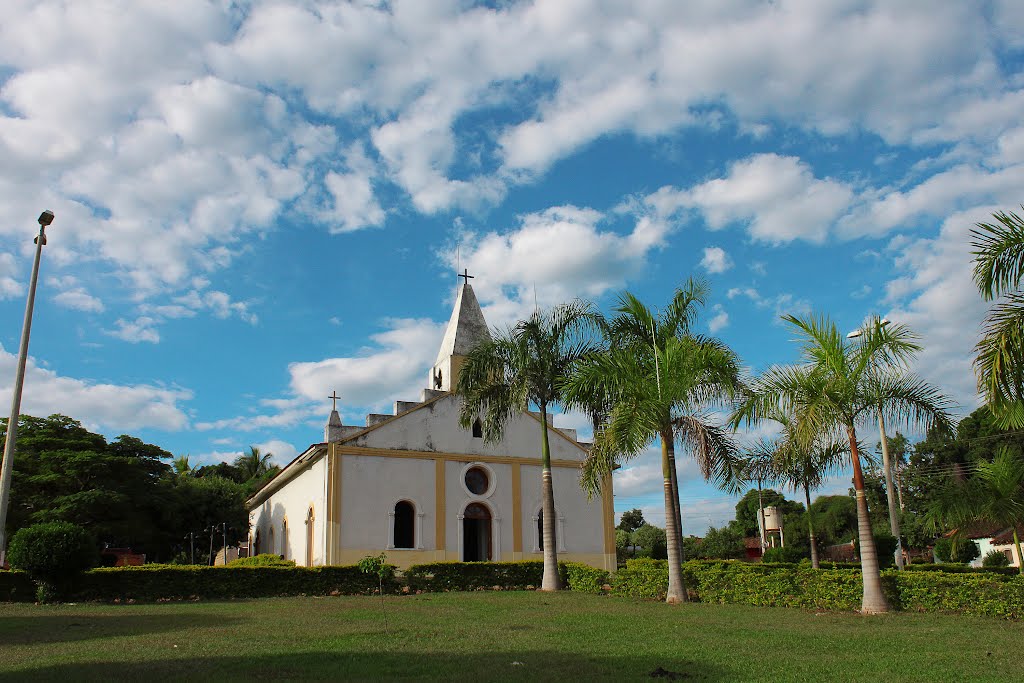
(580, 528)
(292, 503)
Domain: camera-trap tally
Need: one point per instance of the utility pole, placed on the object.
(224, 529)
(7, 469)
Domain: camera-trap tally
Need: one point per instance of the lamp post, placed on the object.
(890, 496)
(45, 218)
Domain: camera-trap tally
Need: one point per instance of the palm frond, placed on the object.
(998, 254)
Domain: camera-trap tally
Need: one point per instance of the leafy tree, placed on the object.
(953, 550)
(53, 554)
(725, 543)
(623, 545)
(835, 518)
(183, 468)
(994, 495)
(995, 558)
(653, 541)
(748, 507)
(839, 385)
(631, 520)
(660, 379)
(527, 366)
(999, 274)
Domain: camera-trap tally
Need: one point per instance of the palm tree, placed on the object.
(999, 272)
(523, 367)
(789, 459)
(182, 468)
(253, 464)
(839, 385)
(994, 495)
(660, 379)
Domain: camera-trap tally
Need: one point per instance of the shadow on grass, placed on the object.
(61, 628)
(470, 666)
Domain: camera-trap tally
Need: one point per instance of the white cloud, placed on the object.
(394, 368)
(9, 287)
(715, 260)
(282, 452)
(934, 294)
(141, 330)
(562, 251)
(100, 405)
(777, 198)
(719, 321)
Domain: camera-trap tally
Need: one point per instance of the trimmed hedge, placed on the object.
(467, 576)
(982, 593)
(16, 586)
(262, 560)
(583, 578)
(176, 582)
(962, 569)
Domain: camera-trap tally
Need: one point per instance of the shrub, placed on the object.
(786, 554)
(53, 554)
(264, 560)
(885, 548)
(464, 576)
(962, 569)
(949, 551)
(642, 578)
(982, 594)
(582, 577)
(995, 558)
(156, 582)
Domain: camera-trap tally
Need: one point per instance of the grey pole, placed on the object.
(45, 218)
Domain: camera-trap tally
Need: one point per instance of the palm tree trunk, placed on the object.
(549, 582)
(676, 588)
(810, 528)
(1016, 543)
(675, 497)
(873, 601)
(890, 496)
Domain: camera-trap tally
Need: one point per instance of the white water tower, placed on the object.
(772, 525)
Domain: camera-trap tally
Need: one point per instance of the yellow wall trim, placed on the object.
(457, 457)
(517, 510)
(440, 542)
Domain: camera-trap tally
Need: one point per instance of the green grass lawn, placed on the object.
(494, 636)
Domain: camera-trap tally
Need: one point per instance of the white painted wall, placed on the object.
(581, 527)
(498, 498)
(435, 427)
(370, 487)
(292, 502)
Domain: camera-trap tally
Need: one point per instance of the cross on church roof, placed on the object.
(465, 274)
(334, 396)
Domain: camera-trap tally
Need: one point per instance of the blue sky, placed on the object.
(257, 204)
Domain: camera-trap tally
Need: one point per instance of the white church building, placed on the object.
(420, 488)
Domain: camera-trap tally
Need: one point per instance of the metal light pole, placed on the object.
(45, 218)
(890, 496)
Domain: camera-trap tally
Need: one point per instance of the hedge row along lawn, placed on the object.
(489, 635)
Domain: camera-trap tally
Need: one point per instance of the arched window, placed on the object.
(405, 525)
(272, 548)
(284, 539)
(256, 543)
(478, 429)
(559, 532)
(540, 531)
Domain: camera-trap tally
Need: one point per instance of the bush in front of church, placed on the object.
(53, 554)
(263, 560)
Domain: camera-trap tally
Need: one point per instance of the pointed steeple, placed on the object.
(334, 428)
(466, 328)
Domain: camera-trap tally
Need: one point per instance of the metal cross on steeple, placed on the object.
(465, 274)
(334, 397)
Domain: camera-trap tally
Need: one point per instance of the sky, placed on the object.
(260, 203)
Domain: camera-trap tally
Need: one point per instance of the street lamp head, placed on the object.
(855, 334)
(45, 218)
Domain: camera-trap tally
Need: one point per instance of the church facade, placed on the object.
(417, 486)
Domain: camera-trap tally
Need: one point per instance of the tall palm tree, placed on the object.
(253, 464)
(802, 466)
(995, 495)
(838, 386)
(999, 272)
(512, 372)
(660, 382)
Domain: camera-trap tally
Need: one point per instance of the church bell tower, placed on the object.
(466, 328)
